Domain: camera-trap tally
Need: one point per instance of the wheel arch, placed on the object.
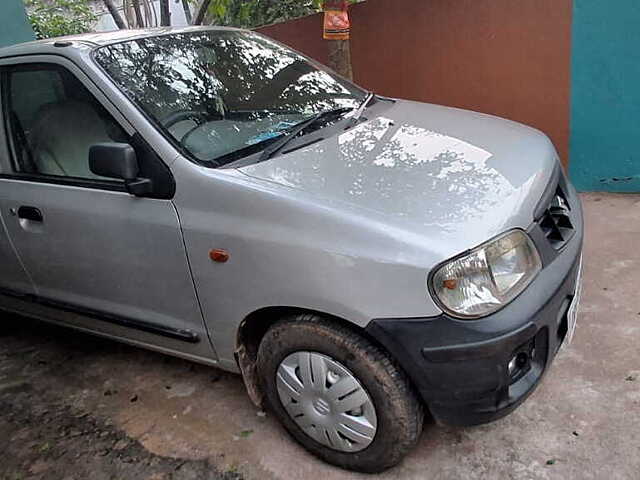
(253, 328)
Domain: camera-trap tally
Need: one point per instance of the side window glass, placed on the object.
(53, 120)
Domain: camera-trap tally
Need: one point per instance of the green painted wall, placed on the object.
(605, 117)
(14, 26)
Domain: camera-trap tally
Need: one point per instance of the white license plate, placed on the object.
(572, 312)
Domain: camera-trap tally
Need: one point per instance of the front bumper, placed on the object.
(461, 368)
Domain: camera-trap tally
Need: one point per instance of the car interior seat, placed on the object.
(61, 137)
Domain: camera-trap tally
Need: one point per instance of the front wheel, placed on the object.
(339, 395)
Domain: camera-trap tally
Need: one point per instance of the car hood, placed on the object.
(453, 176)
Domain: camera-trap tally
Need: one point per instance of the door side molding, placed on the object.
(184, 335)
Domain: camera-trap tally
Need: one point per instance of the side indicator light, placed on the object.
(219, 255)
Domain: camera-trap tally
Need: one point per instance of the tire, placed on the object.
(393, 428)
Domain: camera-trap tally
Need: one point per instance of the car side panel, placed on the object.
(13, 276)
(284, 252)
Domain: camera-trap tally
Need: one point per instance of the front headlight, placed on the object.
(488, 277)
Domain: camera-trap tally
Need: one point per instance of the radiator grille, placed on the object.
(556, 221)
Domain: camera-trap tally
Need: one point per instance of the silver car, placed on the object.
(362, 261)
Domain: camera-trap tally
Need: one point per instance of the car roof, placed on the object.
(98, 39)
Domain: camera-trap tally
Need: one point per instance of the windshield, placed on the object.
(223, 94)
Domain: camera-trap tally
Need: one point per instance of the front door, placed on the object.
(102, 258)
(13, 277)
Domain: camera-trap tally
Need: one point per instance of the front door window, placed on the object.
(53, 120)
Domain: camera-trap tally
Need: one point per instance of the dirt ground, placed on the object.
(74, 407)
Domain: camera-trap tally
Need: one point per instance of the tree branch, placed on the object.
(201, 11)
(117, 18)
(187, 10)
(138, 13)
(165, 14)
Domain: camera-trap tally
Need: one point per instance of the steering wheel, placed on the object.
(176, 117)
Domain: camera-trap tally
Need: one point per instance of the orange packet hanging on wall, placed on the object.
(336, 21)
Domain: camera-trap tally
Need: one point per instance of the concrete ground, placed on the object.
(74, 406)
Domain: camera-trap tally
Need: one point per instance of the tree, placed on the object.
(187, 11)
(201, 12)
(340, 57)
(339, 49)
(253, 13)
(54, 18)
(117, 18)
(138, 13)
(256, 13)
(248, 14)
(165, 14)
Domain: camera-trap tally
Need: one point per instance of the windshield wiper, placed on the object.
(276, 146)
(358, 113)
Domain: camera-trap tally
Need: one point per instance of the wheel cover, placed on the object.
(326, 401)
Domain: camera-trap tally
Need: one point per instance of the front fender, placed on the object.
(288, 250)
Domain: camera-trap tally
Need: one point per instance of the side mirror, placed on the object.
(113, 160)
(118, 160)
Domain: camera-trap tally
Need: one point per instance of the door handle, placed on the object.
(30, 213)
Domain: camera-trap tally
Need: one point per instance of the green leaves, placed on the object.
(55, 18)
(318, 3)
(255, 13)
(219, 8)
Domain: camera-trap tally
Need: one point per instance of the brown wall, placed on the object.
(506, 57)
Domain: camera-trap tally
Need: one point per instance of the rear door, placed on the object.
(100, 258)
